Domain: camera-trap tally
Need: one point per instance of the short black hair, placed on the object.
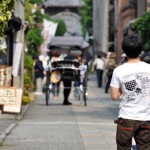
(132, 45)
(99, 56)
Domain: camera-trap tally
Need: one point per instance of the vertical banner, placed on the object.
(48, 32)
(16, 58)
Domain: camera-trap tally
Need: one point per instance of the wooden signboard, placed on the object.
(8, 95)
(14, 108)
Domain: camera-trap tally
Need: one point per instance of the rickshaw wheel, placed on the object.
(84, 97)
(47, 96)
(47, 89)
(85, 91)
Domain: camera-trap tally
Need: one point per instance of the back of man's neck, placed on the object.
(133, 60)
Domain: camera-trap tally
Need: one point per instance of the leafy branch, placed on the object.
(142, 27)
(5, 15)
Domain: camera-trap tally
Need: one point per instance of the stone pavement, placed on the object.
(59, 127)
(9, 121)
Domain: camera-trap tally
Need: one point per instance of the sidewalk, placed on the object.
(9, 121)
(73, 127)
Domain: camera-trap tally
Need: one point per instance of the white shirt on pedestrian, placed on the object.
(99, 63)
(134, 81)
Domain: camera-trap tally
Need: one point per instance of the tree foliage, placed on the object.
(28, 76)
(34, 39)
(28, 64)
(5, 15)
(142, 26)
(28, 12)
(61, 28)
(38, 16)
(35, 18)
(86, 16)
(35, 1)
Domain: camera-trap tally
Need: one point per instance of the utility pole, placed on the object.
(18, 80)
(116, 28)
(100, 24)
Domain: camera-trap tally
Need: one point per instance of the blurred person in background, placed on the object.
(67, 83)
(39, 74)
(110, 66)
(123, 59)
(83, 70)
(98, 65)
(56, 57)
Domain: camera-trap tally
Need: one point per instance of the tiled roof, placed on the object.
(63, 3)
(68, 42)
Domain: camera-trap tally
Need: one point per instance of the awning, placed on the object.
(68, 42)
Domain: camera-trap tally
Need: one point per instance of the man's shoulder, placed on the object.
(120, 68)
(146, 64)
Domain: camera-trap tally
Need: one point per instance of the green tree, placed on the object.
(35, 1)
(5, 15)
(34, 39)
(38, 16)
(142, 27)
(28, 78)
(61, 28)
(28, 12)
(86, 16)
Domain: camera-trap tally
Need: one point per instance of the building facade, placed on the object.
(127, 12)
(66, 10)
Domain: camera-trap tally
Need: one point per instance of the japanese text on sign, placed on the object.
(8, 95)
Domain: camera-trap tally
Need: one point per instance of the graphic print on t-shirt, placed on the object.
(137, 84)
(130, 85)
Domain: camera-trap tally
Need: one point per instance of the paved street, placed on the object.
(59, 127)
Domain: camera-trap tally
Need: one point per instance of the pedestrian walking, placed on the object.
(39, 74)
(110, 66)
(67, 83)
(123, 59)
(56, 57)
(77, 83)
(98, 64)
(131, 83)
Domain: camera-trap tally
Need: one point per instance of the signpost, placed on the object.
(8, 95)
(11, 99)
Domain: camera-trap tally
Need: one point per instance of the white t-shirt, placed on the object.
(53, 59)
(99, 63)
(134, 81)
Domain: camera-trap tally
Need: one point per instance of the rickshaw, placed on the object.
(66, 69)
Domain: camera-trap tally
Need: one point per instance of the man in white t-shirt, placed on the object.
(131, 83)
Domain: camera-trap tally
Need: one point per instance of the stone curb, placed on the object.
(19, 116)
(6, 132)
